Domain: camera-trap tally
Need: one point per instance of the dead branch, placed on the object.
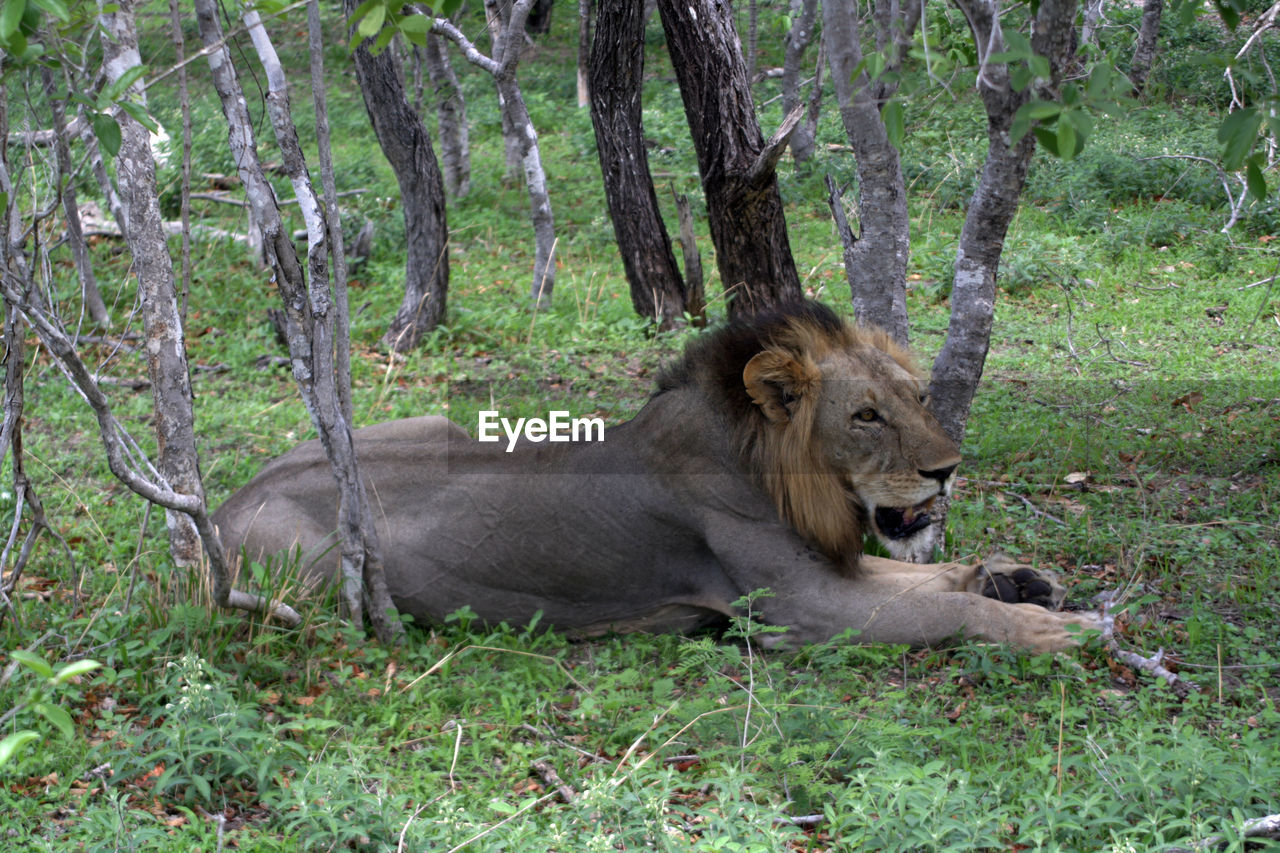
(1267, 827)
(552, 780)
(1181, 687)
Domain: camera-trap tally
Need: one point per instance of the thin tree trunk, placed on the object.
(1144, 49)
(1089, 24)
(959, 365)
(451, 117)
(753, 38)
(161, 315)
(584, 51)
(616, 76)
(875, 257)
(407, 147)
(803, 16)
(748, 226)
(184, 98)
(508, 40)
(308, 310)
(92, 297)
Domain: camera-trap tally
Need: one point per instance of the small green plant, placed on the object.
(208, 746)
(42, 698)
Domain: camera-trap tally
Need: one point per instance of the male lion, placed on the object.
(759, 462)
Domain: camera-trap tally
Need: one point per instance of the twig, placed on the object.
(552, 780)
(1181, 687)
(1034, 508)
(800, 820)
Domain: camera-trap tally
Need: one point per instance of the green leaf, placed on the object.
(1067, 139)
(384, 38)
(13, 743)
(1254, 178)
(414, 24)
(53, 7)
(1238, 133)
(448, 7)
(893, 114)
(11, 17)
(1047, 139)
(372, 22)
(74, 669)
(140, 115)
(33, 662)
(57, 715)
(114, 90)
(108, 133)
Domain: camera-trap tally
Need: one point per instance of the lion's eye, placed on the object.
(867, 416)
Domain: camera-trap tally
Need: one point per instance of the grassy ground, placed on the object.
(1127, 434)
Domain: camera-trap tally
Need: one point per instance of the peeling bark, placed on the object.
(616, 76)
(803, 17)
(451, 118)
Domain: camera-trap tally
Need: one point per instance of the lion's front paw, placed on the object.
(1014, 583)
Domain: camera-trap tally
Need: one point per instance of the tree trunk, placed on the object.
(1089, 23)
(1144, 49)
(407, 146)
(744, 207)
(307, 309)
(876, 257)
(584, 52)
(451, 118)
(958, 368)
(616, 75)
(161, 315)
(522, 138)
(803, 16)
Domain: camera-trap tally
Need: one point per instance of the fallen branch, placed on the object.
(552, 780)
(1036, 510)
(1181, 687)
(1259, 827)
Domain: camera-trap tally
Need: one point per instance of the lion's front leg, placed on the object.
(997, 577)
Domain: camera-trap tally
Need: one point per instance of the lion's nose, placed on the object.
(939, 474)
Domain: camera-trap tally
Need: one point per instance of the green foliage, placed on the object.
(42, 698)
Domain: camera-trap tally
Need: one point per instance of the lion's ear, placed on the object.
(776, 381)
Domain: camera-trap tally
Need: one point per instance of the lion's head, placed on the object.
(830, 420)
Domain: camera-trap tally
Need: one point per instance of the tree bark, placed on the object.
(161, 314)
(958, 368)
(1144, 49)
(407, 146)
(616, 75)
(307, 308)
(748, 226)
(803, 16)
(876, 257)
(1089, 23)
(451, 118)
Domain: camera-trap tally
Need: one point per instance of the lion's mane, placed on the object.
(782, 457)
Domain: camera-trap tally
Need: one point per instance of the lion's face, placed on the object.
(849, 443)
(873, 431)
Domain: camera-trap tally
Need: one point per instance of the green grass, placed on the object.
(1126, 433)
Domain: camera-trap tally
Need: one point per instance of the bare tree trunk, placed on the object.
(1144, 49)
(162, 318)
(876, 257)
(1089, 24)
(92, 297)
(584, 51)
(308, 311)
(753, 38)
(407, 146)
(803, 16)
(617, 73)
(184, 98)
(125, 458)
(748, 226)
(507, 44)
(451, 118)
(958, 368)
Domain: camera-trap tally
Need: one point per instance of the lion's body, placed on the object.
(756, 465)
